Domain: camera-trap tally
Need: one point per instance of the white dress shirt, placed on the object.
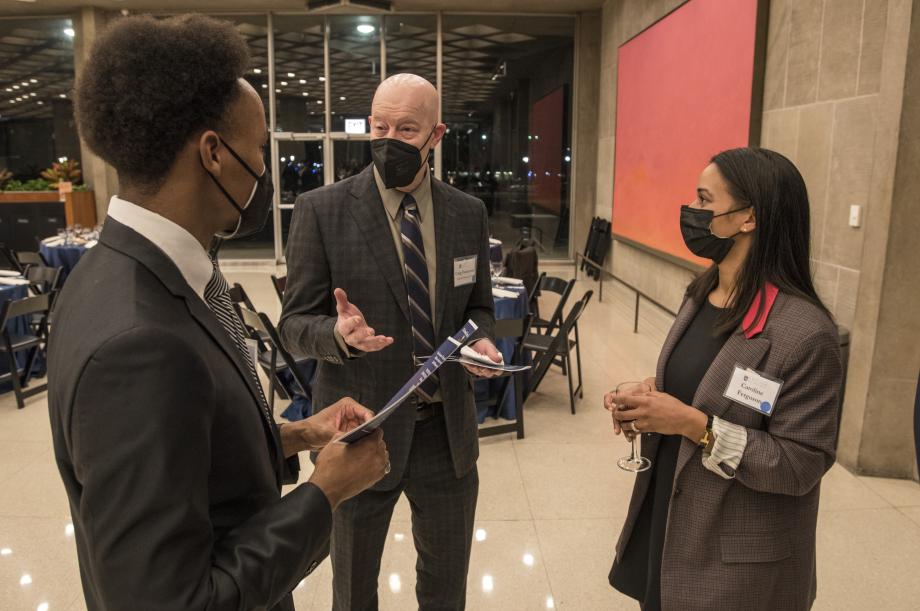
(178, 244)
(727, 449)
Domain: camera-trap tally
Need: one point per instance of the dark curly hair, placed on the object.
(152, 84)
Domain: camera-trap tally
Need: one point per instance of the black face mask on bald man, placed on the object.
(396, 161)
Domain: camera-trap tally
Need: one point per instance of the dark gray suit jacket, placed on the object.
(749, 542)
(340, 238)
(173, 475)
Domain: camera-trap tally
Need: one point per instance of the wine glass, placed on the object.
(635, 462)
(497, 268)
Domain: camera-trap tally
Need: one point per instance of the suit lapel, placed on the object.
(444, 220)
(130, 243)
(371, 217)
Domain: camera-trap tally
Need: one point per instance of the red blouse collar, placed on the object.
(752, 329)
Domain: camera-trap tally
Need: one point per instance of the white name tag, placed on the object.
(465, 270)
(753, 389)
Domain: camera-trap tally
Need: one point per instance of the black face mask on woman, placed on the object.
(254, 214)
(396, 161)
(696, 228)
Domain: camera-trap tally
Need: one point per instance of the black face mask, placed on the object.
(254, 214)
(396, 161)
(695, 226)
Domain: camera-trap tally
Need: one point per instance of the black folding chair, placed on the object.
(238, 295)
(263, 331)
(280, 284)
(563, 288)
(549, 348)
(516, 329)
(43, 279)
(27, 258)
(32, 341)
(8, 259)
(533, 305)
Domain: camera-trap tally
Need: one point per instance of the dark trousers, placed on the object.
(443, 510)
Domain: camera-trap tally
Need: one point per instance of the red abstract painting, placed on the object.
(686, 90)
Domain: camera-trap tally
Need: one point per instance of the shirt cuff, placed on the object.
(727, 450)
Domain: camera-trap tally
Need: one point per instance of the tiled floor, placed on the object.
(550, 505)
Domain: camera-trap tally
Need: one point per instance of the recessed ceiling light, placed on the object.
(33, 80)
(33, 94)
(305, 94)
(257, 70)
(63, 95)
(25, 83)
(342, 98)
(290, 75)
(69, 32)
(303, 81)
(264, 86)
(366, 28)
(322, 79)
(277, 91)
(15, 86)
(40, 103)
(284, 83)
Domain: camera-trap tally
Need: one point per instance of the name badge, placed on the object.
(753, 389)
(465, 270)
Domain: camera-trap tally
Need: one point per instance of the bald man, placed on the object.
(382, 268)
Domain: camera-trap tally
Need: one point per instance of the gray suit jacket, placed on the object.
(749, 543)
(340, 238)
(172, 472)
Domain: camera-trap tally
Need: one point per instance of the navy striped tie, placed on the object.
(217, 296)
(417, 284)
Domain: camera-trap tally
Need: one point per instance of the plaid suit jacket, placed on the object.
(340, 238)
(749, 543)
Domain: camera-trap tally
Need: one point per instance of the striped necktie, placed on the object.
(217, 297)
(416, 268)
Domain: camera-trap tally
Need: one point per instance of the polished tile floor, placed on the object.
(550, 505)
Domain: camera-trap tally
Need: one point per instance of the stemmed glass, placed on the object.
(635, 462)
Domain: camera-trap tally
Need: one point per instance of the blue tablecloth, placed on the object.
(65, 257)
(505, 308)
(17, 326)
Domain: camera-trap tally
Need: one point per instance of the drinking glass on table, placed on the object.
(497, 268)
(635, 462)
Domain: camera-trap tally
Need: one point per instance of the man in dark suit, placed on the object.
(170, 457)
(412, 253)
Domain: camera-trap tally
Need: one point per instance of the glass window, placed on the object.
(350, 157)
(411, 45)
(506, 101)
(300, 88)
(37, 125)
(354, 65)
(300, 168)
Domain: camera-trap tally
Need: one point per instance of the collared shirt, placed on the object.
(178, 244)
(392, 202)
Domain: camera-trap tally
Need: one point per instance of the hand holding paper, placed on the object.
(482, 351)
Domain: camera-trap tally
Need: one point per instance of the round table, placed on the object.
(65, 257)
(506, 308)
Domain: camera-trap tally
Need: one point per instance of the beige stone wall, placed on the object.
(584, 125)
(833, 94)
